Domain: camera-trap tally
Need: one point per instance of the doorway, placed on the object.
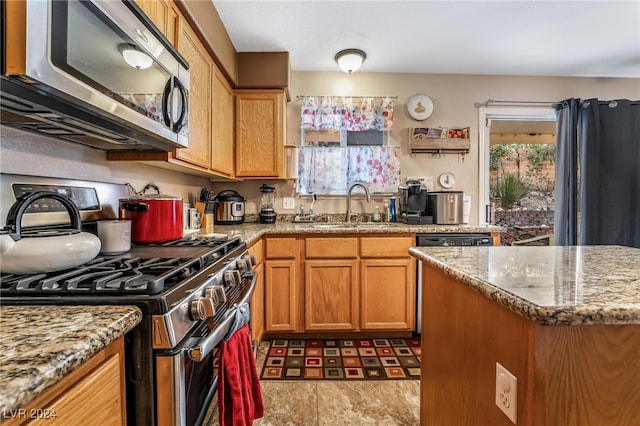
(511, 137)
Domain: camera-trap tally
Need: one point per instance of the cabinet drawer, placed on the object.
(332, 247)
(386, 246)
(281, 248)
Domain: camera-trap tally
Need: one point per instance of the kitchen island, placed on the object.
(565, 321)
(41, 347)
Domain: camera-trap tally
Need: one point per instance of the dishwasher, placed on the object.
(443, 240)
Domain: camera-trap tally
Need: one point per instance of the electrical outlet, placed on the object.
(507, 392)
(288, 203)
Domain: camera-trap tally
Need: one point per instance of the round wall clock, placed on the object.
(420, 107)
(447, 180)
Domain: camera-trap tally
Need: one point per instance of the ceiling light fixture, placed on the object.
(349, 60)
(135, 57)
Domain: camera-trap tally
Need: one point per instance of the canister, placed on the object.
(115, 236)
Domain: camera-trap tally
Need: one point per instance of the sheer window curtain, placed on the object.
(331, 170)
(606, 193)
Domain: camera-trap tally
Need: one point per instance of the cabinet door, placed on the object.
(387, 291)
(331, 294)
(163, 14)
(201, 75)
(97, 397)
(257, 305)
(157, 11)
(260, 128)
(281, 295)
(257, 300)
(222, 155)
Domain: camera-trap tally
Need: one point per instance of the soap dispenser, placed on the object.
(376, 215)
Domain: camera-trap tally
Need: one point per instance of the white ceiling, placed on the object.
(517, 37)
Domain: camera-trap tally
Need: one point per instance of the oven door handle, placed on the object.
(211, 340)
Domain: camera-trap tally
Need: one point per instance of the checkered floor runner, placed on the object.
(362, 359)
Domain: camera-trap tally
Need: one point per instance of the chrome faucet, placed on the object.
(366, 190)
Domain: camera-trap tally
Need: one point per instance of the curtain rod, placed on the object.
(490, 102)
(347, 96)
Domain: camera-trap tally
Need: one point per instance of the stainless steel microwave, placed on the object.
(93, 72)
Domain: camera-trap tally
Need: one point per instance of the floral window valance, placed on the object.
(345, 113)
(332, 170)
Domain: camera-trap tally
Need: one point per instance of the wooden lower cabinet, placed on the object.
(387, 294)
(331, 295)
(283, 290)
(281, 295)
(257, 299)
(339, 284)
(92, 394)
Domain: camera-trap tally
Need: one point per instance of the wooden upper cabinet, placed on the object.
(163, 14)
(260, 124)
(211, 103)
(157, 11)
(201, 75)
(223, 122)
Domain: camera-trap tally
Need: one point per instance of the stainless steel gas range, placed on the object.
(187, 291)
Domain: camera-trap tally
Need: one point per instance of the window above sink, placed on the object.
(346, 140)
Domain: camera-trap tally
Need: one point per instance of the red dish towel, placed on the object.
(239, 393)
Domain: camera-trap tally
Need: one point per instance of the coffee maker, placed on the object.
(413, 203)
(268, 200)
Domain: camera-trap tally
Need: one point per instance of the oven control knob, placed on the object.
(250, 259)
(232, 278)
(216, 293)
(202, 308)
(244, 265)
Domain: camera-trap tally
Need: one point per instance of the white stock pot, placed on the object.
(31, 252)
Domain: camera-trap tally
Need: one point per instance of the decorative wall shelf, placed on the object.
(430, 140)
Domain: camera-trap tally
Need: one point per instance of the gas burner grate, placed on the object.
(107, 275)
(220, 242)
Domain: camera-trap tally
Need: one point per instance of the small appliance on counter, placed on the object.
(446, 207)
(413, 204)
(267, 211)
(229, 208)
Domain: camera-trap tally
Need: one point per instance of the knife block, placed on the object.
(206, 222)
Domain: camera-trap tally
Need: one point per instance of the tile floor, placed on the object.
(323, 402)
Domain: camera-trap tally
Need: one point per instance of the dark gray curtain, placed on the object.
(566, 191)
(609, 155)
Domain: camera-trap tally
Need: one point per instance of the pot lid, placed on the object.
(229, 195)
(142, 195)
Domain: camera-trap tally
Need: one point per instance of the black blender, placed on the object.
(267, 212)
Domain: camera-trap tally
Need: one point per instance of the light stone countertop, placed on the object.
(250, 232)
(39, 345)
(550, 285)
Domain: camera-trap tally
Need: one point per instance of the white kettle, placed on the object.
(31, 252)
